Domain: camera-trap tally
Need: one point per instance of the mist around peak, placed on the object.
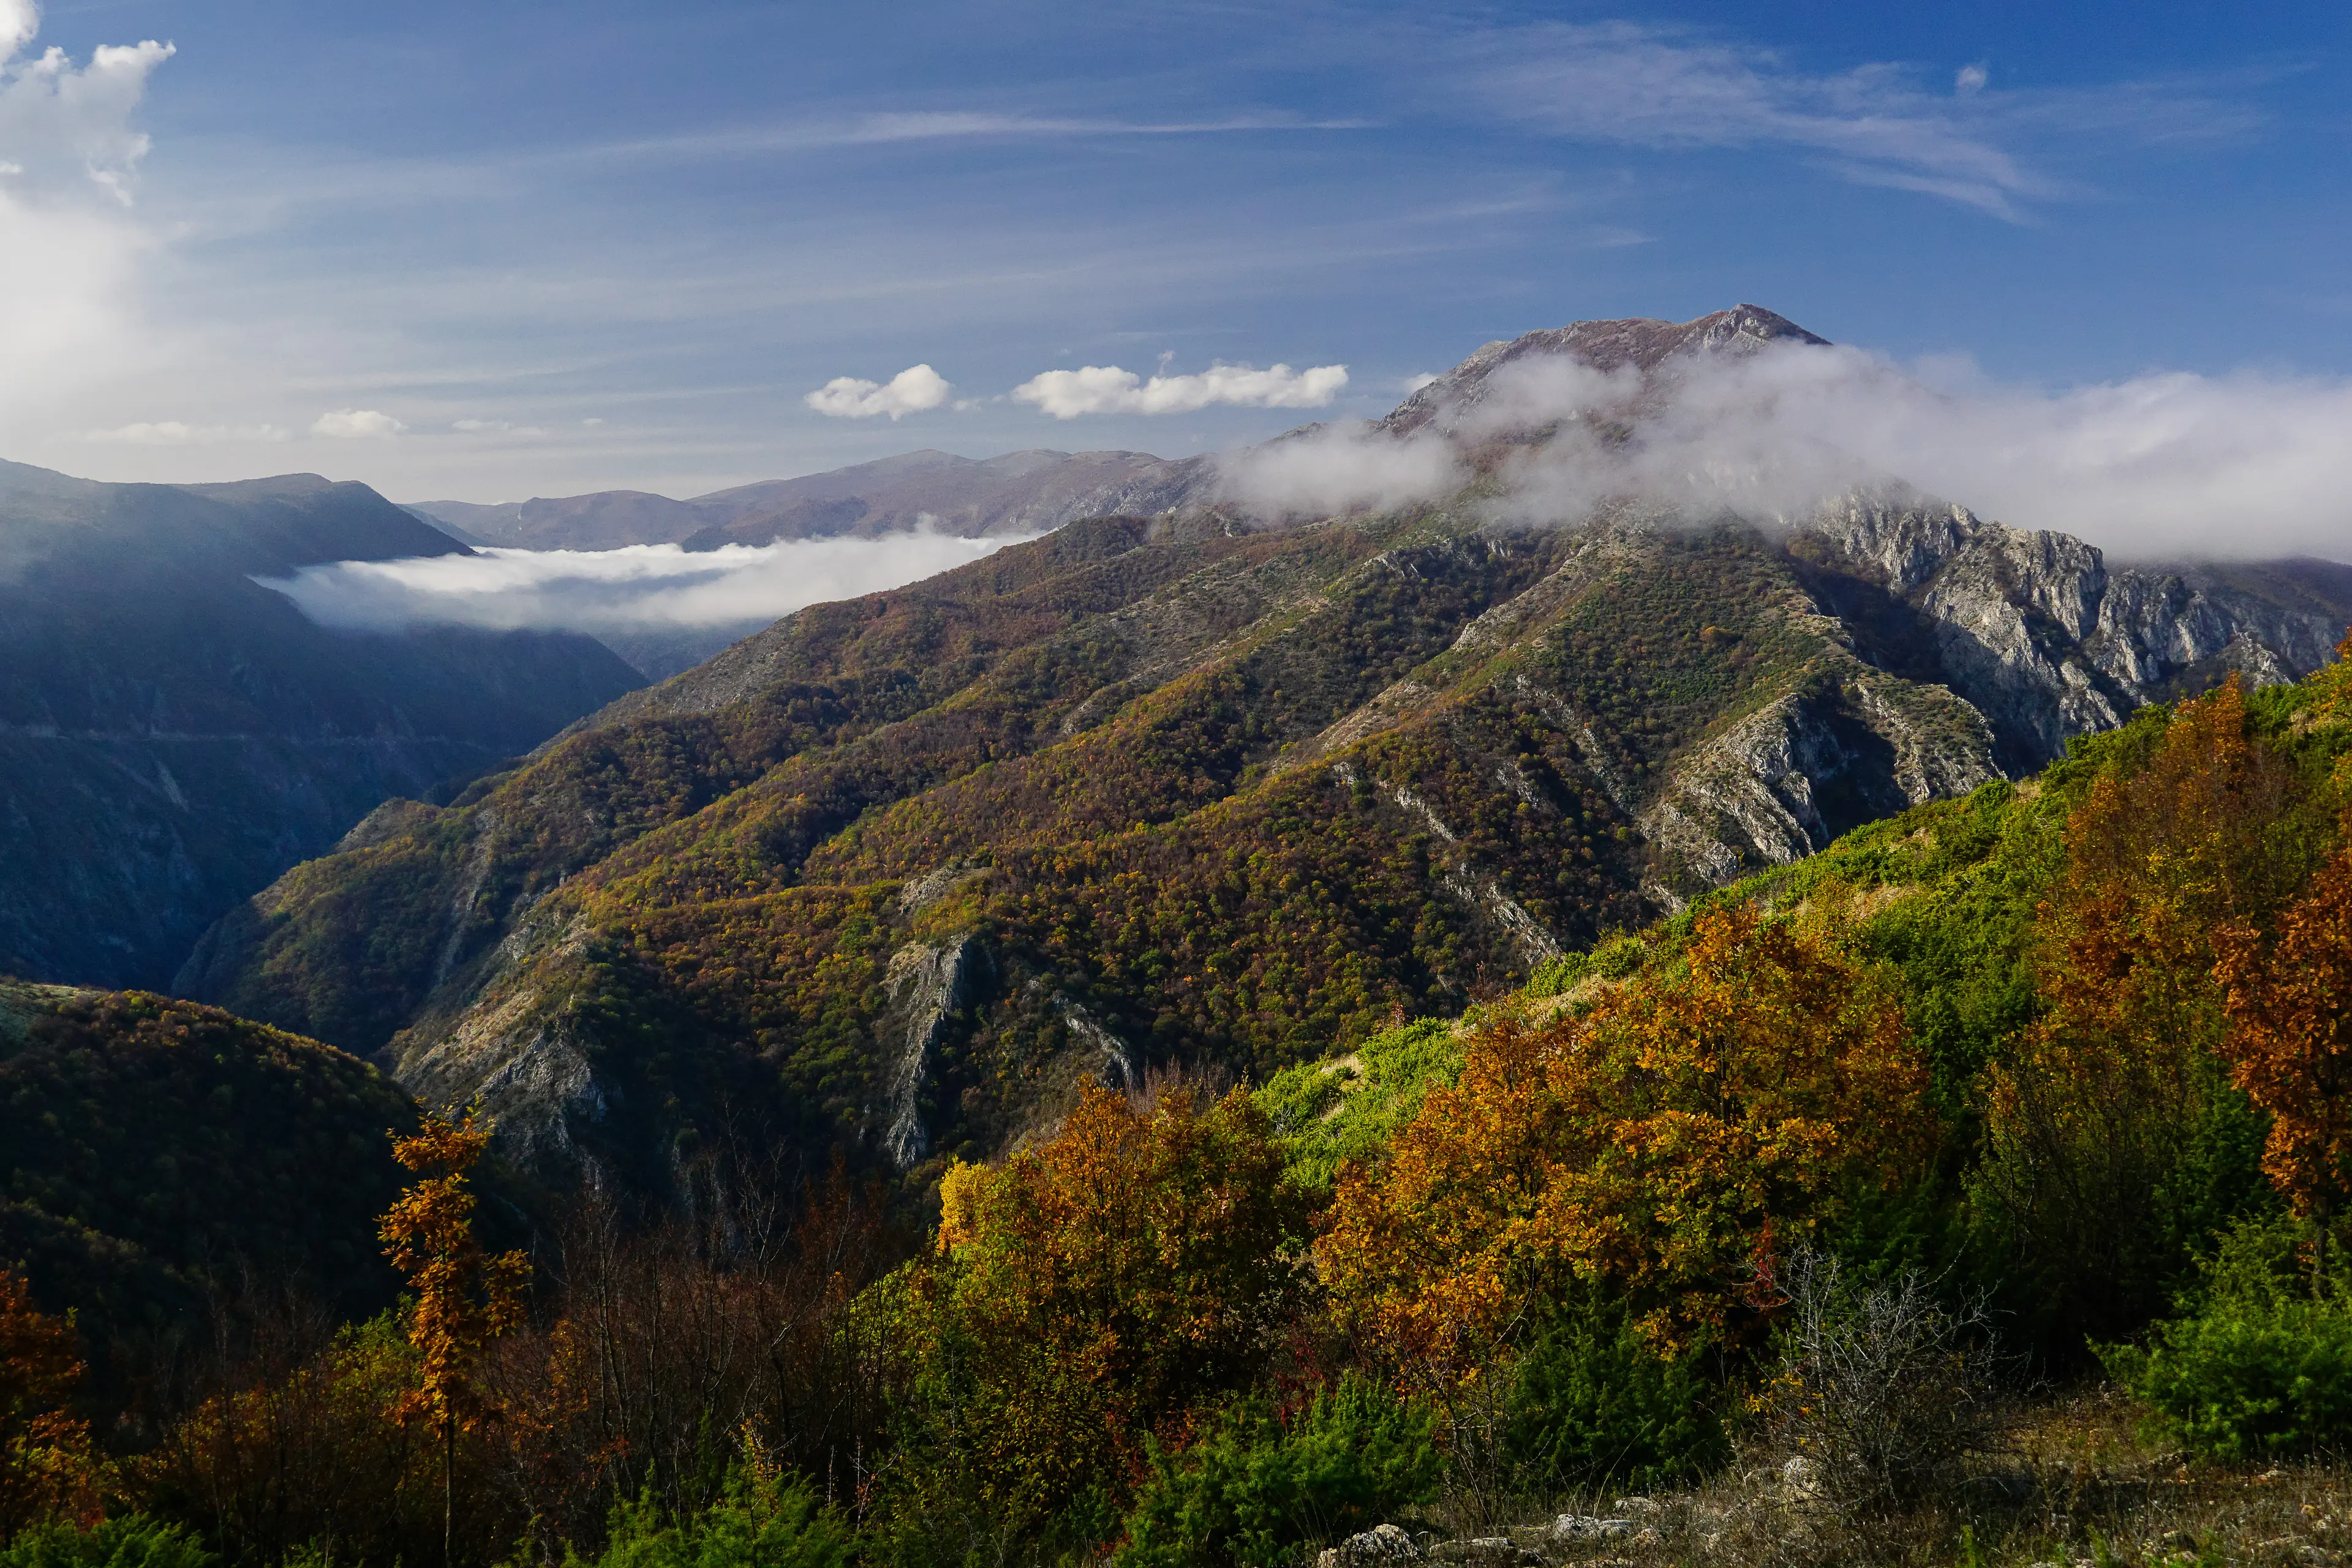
(2168, 464)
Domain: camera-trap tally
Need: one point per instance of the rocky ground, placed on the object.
(2075, 1483)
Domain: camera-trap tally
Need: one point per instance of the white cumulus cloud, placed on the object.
(69, 249)
(911, 391)
(501, 427)
(1107, 389)
(65, 127)
(641, 588)
(177, 432)
(356, 425)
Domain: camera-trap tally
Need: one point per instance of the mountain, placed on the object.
(1641, 345)
(1020, 492)
(173, 735)
(899, 871)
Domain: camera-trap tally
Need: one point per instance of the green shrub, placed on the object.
(1255, 1490)
(2261, 1367)
(135, 1541)
(1594, 1403)
(760, 1520)
(1328, 1113)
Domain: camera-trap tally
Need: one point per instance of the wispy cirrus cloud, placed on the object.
(178, 433)
(1876, 124)
(937, 125)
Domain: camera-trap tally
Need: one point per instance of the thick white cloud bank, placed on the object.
(916, 388)
(2241, 467)
(641, 588)
(1107, 389)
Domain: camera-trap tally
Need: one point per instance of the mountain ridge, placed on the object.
(1016, 492)
(897, 873)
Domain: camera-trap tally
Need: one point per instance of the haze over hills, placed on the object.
(1017, 493)
(901, 869)
(173, 735)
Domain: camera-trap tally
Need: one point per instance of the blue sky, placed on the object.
(486, 252)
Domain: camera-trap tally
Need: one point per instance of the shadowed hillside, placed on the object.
(159, 1151)
(172, 735)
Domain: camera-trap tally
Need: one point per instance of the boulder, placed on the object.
(1382, 1543)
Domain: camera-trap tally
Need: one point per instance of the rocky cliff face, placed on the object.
(172, 735)
(2038, 632)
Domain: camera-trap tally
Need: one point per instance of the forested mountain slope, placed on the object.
(899, 871)
(156, 1151)
(172, 735)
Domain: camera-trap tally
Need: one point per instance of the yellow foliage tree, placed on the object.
(464, 1298)
(1669, 1142)
(1103, 1282)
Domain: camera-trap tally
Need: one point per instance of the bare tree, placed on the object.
(1881, 1390)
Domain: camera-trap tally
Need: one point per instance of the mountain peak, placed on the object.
(1641, 341)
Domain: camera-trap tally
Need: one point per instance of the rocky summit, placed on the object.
(901, 871)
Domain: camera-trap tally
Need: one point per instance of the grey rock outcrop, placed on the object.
(2036, 630)
(1382, 1543)
(928, 983)
(1785, 781)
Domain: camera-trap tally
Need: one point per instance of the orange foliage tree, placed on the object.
(1095, 1289)
(2093, 1110)
(47, 1470)
(2290, 1041)
(464, 1298)
(1668, 1142)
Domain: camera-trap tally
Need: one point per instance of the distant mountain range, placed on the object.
(1020, 492)
(172, 735)
(1182, 786)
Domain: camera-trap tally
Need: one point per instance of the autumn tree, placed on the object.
(464, 1298)
(2290, 1040)
(1091, 1290)
(47, 1468)
(1667, 1143)
(734, 1313)
(2112, 1131)
(297, 1442)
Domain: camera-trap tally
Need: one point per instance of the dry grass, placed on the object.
(2071, 1484)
